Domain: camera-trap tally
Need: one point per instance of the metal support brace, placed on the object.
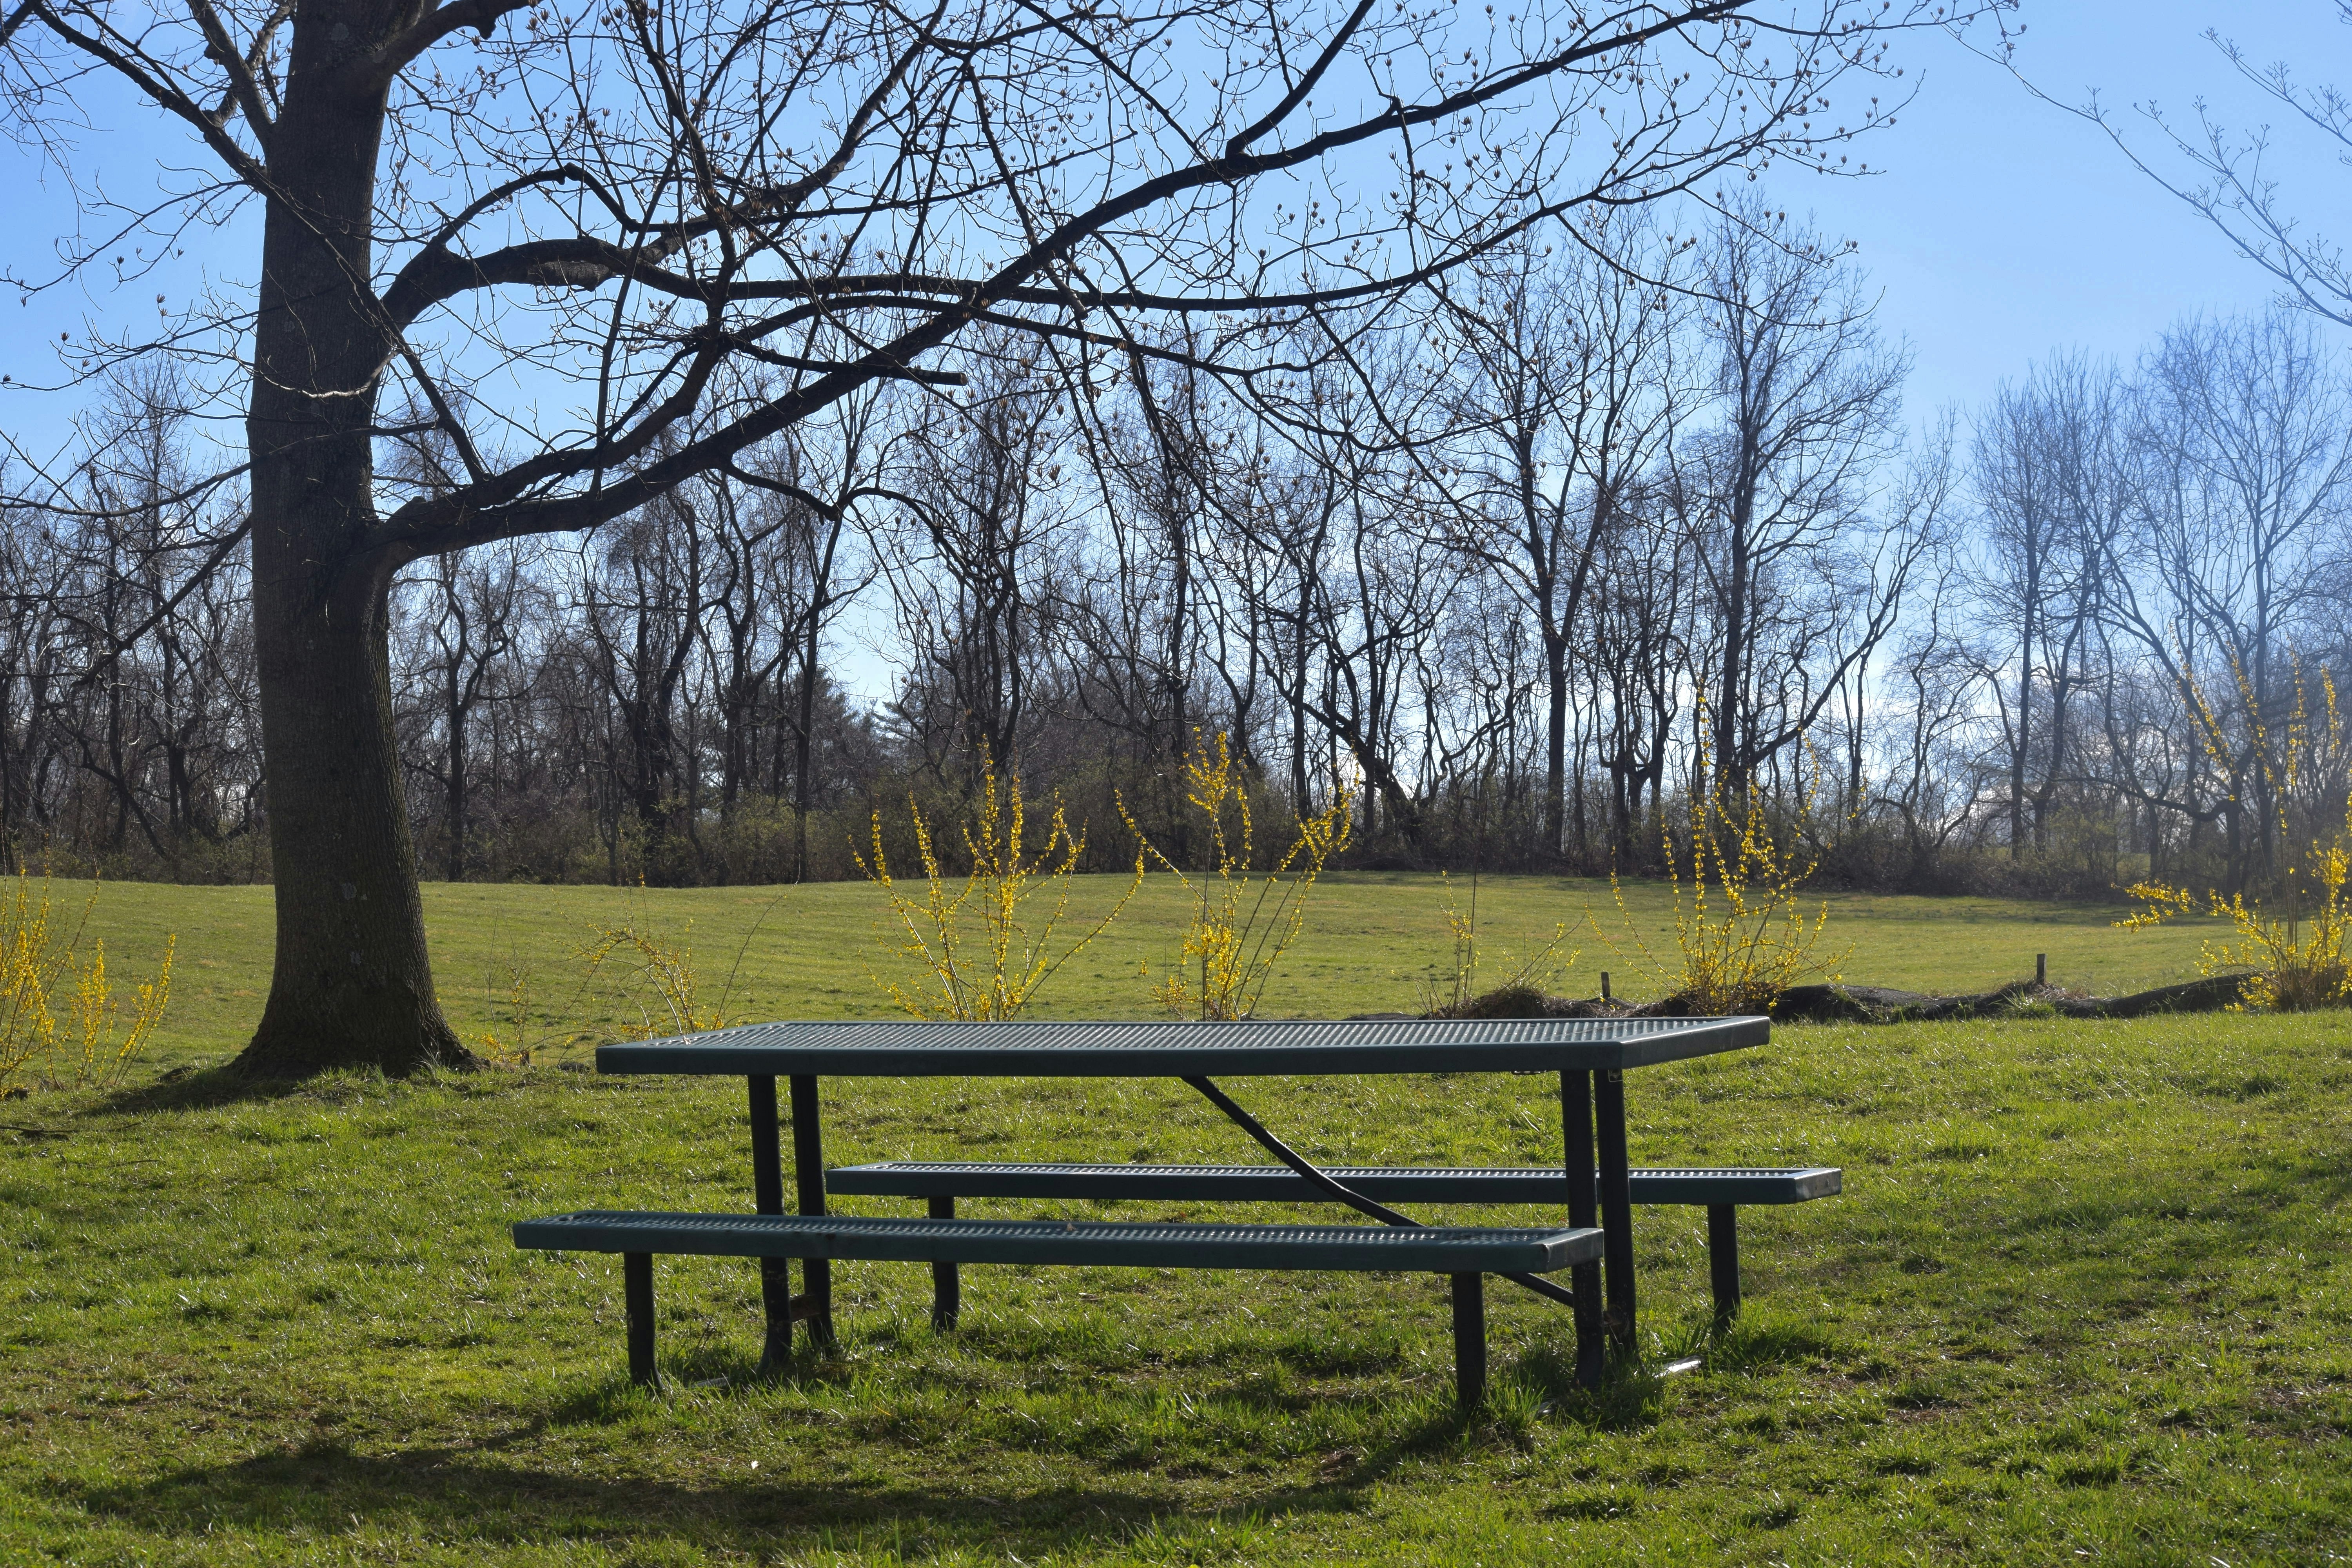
(946, 1290)
(1325, 1181)
(1616, 1204)
(1576, 1130)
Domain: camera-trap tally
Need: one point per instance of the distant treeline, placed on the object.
(1526, 564)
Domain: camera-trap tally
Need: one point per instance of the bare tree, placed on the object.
(1384, 573)
(1642, 654)
(2228, 175)
(1936, 689)
(2241, 546)
(972, 582)
(1570, 395)
(1805, 403)
(641, 603)
(821, 473)
(33, 673)
(157, 651)
(615, 204)
(1140, 618)
(467, 618)
(2053, 475)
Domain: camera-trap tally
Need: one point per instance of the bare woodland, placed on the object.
(2042, 649)
(663, 434)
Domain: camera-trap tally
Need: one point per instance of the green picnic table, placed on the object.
(1590, 1058)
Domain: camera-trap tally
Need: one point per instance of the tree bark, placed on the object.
(353, 986)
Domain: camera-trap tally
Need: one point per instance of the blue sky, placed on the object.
(2001, 229)
(2005, 229)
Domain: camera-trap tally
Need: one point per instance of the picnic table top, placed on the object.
(911, 1048)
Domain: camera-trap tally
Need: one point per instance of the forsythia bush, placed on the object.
(657, 977)
(44, 969)
(1244, 921)
(1742, 935)
(2298, 962)
(977, 951)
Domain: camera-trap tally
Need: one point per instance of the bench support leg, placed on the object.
(638, 1302)
(1585, 1280)
(946, 1290)
(768, 1197)
(808, 1179)
(1723, 1259)
(1616, 1203)
(1470, 1339)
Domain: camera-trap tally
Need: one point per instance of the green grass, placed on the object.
(2086, 1293)
(2086, 1299)
(1375, 941)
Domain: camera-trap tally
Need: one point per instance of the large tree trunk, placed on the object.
(353, 986)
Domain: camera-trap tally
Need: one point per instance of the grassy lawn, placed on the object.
(1375, 941)
(2087, 1297)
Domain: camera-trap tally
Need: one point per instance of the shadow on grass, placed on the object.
(466, 1492)
(1765, 1339)
(215, 1087)
(206, 1088)
(190, 1088)
(491, 1488)
(2197, 1214)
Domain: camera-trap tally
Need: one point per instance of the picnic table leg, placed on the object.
(1723, 1259)
(1616, 1203)
(808, 1178)
(638, 1305)
(1470, 1339)
(1584, 1278)
(768, 1197)
(946, 1290)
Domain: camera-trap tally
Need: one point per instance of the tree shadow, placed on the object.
(201, 1089)
(228, 1084)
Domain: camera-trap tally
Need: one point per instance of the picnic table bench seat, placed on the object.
(1466, 1254)
(1718, 1189)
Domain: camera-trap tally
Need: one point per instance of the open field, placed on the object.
(1374, 942)
(2088, 1298)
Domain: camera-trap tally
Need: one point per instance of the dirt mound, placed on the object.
(1870, 1004)
(1881, 1005)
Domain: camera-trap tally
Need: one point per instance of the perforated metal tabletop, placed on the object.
(917, 1049)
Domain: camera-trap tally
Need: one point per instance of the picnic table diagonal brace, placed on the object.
(808, 1182)
(1382, 1212)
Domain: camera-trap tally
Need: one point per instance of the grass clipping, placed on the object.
(976, 949)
